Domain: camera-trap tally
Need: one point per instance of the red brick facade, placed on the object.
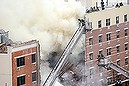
(97, 75)
(26, 69)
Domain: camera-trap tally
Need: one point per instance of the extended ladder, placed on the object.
(67, 51)
(119, 69)
(102, 61)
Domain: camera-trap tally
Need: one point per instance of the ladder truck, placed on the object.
(84, 26)
(103, 62)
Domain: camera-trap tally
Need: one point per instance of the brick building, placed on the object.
(19, 62)
(110, 37)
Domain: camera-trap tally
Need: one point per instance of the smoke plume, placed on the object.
(52, 22)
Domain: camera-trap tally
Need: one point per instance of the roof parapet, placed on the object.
(19, 44)
(96, 8)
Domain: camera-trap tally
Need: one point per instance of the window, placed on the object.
(91, 71)
(118, 77)
(117, 49)
(90, 41)
(118, 34)
(125, 18)
(20, 61)
(100, 69)
(126, 46)
(118, 62)
(33, 76)
(99, 24)
(100, 38)
(20, 80)
(91, 56)
(100, 52)
(108, 22)
(109, 81)
(33, 58)
(108, 51)
(6, 84)
(117, 19)
(108, 36)
(126, 32)
(90, 24)
(126, 61)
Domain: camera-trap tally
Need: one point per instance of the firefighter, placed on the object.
(118, 83)
(81, 21)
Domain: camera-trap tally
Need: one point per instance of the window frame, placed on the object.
(109, 80)
(118, 34)
(91, 69)
(21, 82)
(126, 32)
(126, 46)
(117, 20)
(20, 61)
(100, 39)
(108, 22)
(125, 18)
(118, 48)
(91, 56)
(126, 60)
(99, 23)
(34, 76)
(90, 41)
(100, 51)
(108, 51)
(33, 57)
(118, 62)
(108, 36)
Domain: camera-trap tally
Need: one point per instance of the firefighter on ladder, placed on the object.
(81, 21)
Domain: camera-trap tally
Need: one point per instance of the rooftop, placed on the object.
(5, 41)
(108, 13)
(19, 44)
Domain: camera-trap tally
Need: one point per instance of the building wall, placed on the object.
(111, 13)
(98, 76)
(29, 67)
(91, 3)
(5, 69)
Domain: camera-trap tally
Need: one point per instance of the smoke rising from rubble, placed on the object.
(52, 22)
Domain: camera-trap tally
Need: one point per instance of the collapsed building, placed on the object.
(108, 38)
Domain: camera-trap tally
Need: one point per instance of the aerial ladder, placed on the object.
(83, 27)
(103, 61)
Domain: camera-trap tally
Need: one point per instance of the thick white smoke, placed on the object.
(52, 22)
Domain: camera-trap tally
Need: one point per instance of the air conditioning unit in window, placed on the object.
(108, 27)
(126, 38)
(18, 69)
(34, 64)
(91, 46)
(125, 23)
(108, 42)
(117, 25)
(126, 52)
(100, 44)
